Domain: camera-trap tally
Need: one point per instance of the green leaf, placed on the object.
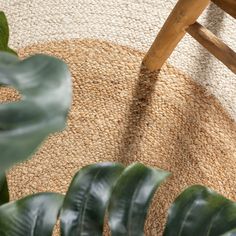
(4, 34)
(87, 198)
(45, 85)
(201, 211)
(34, 215)
(131, 198)
(230, 233)
(4, 194)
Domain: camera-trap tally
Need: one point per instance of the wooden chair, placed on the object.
(183, 19)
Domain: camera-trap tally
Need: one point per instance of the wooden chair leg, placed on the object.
(214, 45)
(184, 14)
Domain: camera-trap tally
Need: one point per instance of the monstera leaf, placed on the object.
(131, 198)
(198, 211)
(85, 203)
(230, 233)
(201, 211)
(4, 194)
(34, 215)
(4, 34)
(45, 86)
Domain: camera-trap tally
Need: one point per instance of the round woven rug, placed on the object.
(121, 112)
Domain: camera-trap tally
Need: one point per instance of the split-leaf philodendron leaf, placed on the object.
(198, 211)
(201, 211)
(45, 86)
(34, 215)
(131, 197)
(4, 34)
(4, 194)
(230, 233)
(85, 203)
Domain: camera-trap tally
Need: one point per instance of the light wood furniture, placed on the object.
(182, 20)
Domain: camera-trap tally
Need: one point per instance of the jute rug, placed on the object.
(121, 112)
(132, 23)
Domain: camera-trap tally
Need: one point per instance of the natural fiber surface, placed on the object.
(133, 23)
(122, 113)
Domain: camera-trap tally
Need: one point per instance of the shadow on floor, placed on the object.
(137, 113)
(214, 23)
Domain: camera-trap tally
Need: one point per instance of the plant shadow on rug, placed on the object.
(120, 112)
